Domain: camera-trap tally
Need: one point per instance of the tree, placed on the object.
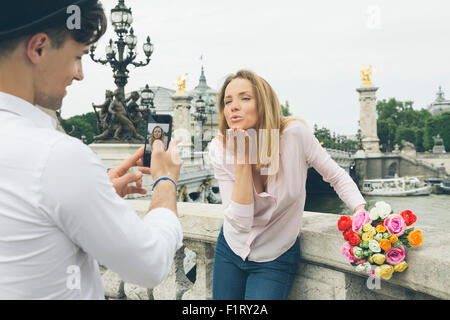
(285, 109)
(398, 121)
(437, 125)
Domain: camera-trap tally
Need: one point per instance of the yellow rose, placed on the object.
(367, 227)
(367, 236)
(401, 266)
(379, 258)
(380, 228)
(372, 231)
(384, 271)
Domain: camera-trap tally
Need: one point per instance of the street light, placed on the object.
(122, 19)
(199, 117)
(211, 111)
(147, 96)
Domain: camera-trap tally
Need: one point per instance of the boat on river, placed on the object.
(396, 187)
(444, 187)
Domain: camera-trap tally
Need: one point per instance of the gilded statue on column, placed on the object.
(365, 76)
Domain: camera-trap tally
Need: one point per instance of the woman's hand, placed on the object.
(243, 177)
(360, 207)
(237, 142)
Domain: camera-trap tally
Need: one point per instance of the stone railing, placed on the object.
(323, 272)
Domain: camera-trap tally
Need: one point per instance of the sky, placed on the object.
(310, 52)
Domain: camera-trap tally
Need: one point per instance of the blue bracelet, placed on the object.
(163, 178)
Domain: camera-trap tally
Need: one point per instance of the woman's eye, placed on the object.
(227, 102)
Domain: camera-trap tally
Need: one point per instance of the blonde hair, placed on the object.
(270, 114)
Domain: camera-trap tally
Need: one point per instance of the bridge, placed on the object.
(323, 273)
(196, 182)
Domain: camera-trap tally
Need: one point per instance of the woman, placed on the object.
(263, 197)
(157, 134)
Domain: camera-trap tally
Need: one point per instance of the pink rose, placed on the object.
(346, 252)
(395, 255)
(360, 261)
(395, 224)
(359, 219)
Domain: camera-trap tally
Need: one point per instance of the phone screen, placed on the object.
(159, 127)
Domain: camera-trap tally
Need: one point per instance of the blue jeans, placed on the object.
(236, 279)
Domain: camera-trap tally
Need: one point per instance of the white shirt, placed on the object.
(60, 214)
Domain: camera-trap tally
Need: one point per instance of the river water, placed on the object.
(432, 210)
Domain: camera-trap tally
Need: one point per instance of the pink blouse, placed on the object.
(265, 229)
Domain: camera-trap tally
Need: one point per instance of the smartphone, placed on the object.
(159, 126)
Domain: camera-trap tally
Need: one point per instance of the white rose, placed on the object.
(374, 214)
(384, 209)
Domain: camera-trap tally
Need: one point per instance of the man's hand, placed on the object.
(165, 163)
(121, 179)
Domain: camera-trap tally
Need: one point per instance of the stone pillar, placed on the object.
(368, 119)
(182, 121)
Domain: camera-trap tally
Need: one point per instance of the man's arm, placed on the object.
(78, 197)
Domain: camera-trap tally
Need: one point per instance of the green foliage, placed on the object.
(398, 121)
(285, 109)
(332, 141)
(437, 125)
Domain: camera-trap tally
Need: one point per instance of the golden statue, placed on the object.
(181, 84)
(365, 76)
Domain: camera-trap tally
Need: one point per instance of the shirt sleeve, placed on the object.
(331, 172)
(78, 196)
(240, 216)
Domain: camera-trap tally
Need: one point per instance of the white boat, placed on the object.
(444, 187)
(396, 187)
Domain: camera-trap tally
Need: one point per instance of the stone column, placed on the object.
(182, 121)
(368, 119)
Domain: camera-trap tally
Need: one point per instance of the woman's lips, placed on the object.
(236, 118)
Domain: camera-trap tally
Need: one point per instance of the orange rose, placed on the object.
(393, 238)
(415, 238)
(385, 244)
(380, 228)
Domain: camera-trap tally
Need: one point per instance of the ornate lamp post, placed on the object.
(199, 117)
(122, 18)
(147, 96)
(211, 111)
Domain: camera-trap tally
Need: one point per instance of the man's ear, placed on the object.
(37, 47)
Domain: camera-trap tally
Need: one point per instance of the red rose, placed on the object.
(354, 239)
(351, 251)
(344, 223)
(409, 217)
(347, 234)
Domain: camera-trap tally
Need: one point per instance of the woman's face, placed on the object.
(240, 105)
(157, 133)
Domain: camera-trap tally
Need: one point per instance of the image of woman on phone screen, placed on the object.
(157, 134)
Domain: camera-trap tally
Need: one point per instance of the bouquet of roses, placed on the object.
(377, 240)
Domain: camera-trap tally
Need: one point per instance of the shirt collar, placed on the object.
(25, 109)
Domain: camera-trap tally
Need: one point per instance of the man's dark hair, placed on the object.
(93, 27)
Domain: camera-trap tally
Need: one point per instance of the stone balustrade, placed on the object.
(323, 272)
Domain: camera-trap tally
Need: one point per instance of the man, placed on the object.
(60, 212)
